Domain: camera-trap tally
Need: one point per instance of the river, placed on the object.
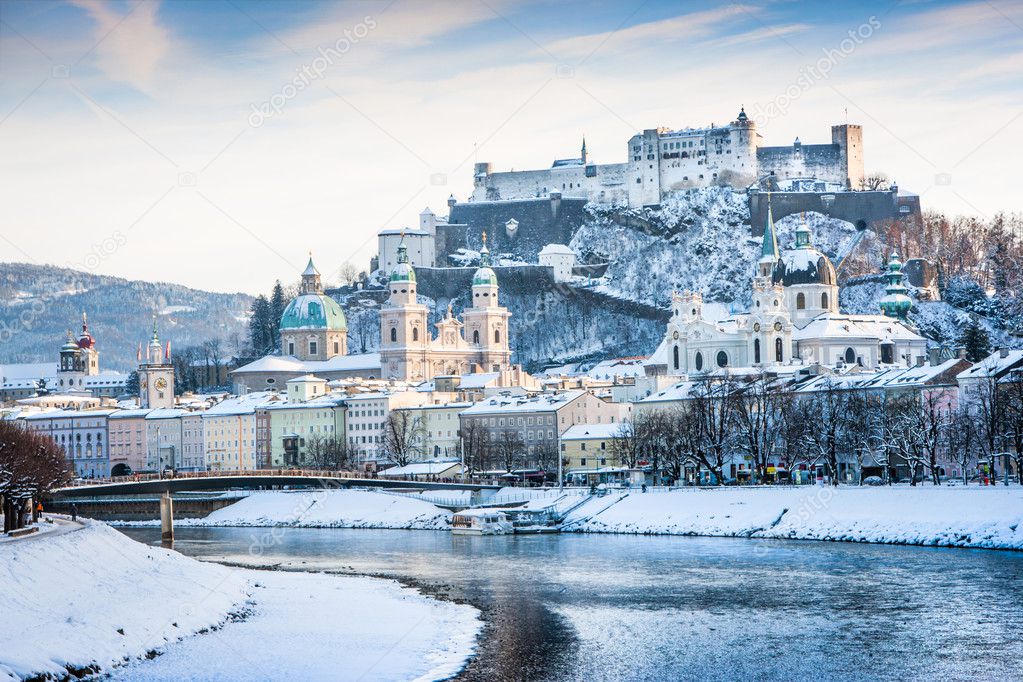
(616, 607)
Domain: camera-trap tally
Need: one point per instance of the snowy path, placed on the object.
(60, 526)
(91, 600)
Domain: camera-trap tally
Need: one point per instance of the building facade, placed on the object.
(81, 434)
(127, 439)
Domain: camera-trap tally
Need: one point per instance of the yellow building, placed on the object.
(229, 432)
(590, 446)
(437, 427)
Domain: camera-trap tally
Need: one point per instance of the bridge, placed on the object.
(259, 479)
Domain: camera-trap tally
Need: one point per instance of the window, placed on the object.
(800, 302)
(850, 356)
(756, 350)
(675, 358)
(824, 301)
(394, 334)
(777, 350)
(291, 347)
(415, 333)
(582, 446)
(582, 461)
(312, 348)
(699, 361)
(476, 336)
(336, 348)
(497, 336)
(722, 359)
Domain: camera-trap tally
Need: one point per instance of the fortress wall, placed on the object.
(821, 161)
(540, 222)
(607, 182)
(863, 209)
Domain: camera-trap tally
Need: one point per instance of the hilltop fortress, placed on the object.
(662, 160)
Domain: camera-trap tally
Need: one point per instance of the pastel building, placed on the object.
(229, 432)
(127, 438)
(81, 434)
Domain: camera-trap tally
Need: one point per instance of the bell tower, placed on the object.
(156, 374)
(486, 321)
(404, 336)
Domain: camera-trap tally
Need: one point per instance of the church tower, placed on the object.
(156, 374)
(770, 341)
(486, 322)
(404, 338)
(895, 303)
(79, 358)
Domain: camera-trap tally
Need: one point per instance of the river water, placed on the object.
(616, 607)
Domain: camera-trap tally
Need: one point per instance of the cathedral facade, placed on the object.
(794, 319)
(478, 342)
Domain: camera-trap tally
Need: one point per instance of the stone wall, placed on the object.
(865, 210)
(540, 222)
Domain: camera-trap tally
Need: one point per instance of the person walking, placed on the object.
(74, 511)
(39, 511)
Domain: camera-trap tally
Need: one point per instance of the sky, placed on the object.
(215, 144)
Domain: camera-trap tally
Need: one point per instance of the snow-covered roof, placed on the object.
(244, 404)
(289, 363)
(556, 250)
(166, 413)
(129, 414)
(617, 367)
(544, 402)
(993, 365)
(680, 391)
(69, 414)
(408, 232)
(596, 431)
(841, 326)
(306, 379)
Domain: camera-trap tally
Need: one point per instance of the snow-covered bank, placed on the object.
(924, 515)
(324, 509)
(93, 599)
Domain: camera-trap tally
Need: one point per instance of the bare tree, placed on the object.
(329, 452)
(624, 445)
(961, 441)
(756, 415)
(403, 436)
(822, 413)
(31, 464)
(875, 181)
(546, 453)
(508, 450)
(714, 410)
(476, 446)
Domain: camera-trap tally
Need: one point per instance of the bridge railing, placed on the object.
(305, 473)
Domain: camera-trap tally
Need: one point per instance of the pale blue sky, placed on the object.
(131, 146)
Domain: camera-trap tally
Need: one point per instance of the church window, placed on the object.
(336, 348)
(824, 301)
(476, 336)
(756, 350)
(800, 302)
(312, 348)
(291, 347)
(778, 350)
(699, 361)
(415, 333)
(497, 336)
(850, 356)
(675, 353)
(722, 359)
(394, 334)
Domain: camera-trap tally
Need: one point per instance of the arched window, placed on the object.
(415, 333)
(778, 350)
(394, 334)
(722, 359)
(850, 356)
(476, 336)
(800, 301)
(756, 350)
(824, 301)
(699, 361)
(675, 353)
(497, 336)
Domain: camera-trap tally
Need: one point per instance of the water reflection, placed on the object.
(602, 607)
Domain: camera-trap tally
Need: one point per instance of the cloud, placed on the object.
(130, 47)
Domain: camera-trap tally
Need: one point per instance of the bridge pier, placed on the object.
(167, 519)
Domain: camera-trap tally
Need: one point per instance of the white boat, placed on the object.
(481, 522)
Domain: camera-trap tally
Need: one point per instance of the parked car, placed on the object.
(873, 480)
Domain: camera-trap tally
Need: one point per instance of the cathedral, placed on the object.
(794, 319)
(476, 343)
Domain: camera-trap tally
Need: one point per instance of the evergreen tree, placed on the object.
(277, 305)
(975, 339)
(260, 326)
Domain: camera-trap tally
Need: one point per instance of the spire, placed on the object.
(311, 278)
(742, 113)
(583, 156)
(769, 248)
(310, 269)
(485, 253)
(402, 249)
(156, 337)
(85, 322)
(895, 303)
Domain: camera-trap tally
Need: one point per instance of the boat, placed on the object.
(481, 522)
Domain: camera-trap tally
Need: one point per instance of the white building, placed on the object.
(163, 438)
(794, 319)
(560, 258)
(81, 434)
(366, 421)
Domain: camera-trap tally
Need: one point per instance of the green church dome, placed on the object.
(314, 311)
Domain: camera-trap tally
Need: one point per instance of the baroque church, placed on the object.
(478, 343)
(794, 319)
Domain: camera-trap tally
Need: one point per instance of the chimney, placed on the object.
(934, 355)
(919, 361)
(1003, 352)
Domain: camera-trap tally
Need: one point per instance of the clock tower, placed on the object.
(156, 374)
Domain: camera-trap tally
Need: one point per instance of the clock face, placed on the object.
(161, 383)
(675, 335)
(777, 326)
(756, 326)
